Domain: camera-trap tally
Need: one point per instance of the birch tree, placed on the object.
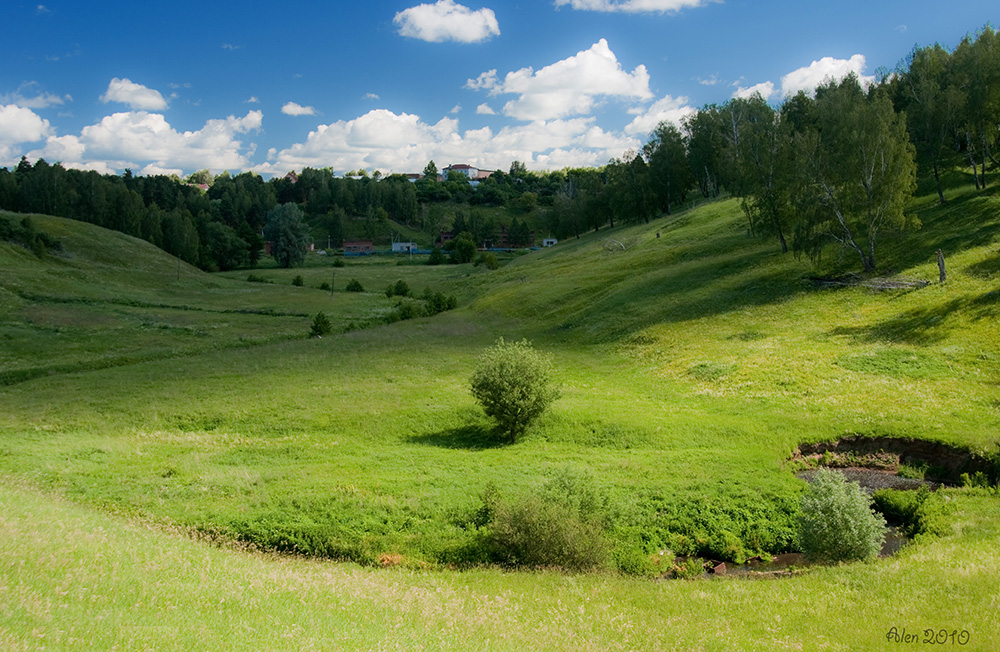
(858, 171)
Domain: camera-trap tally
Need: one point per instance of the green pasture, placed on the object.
(141, 397)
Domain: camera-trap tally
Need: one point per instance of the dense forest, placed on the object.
(834, 168)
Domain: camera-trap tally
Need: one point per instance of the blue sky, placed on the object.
(176, 87)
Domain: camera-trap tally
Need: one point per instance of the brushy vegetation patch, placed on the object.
(915, 513)
(837, 522)
(22, 231)
(564, 523)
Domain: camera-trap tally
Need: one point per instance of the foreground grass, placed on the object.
(77, 579)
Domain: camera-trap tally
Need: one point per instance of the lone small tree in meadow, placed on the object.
(320, 325)
(514, 385)
(837, 522)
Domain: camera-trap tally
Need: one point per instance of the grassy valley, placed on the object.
(157, 419)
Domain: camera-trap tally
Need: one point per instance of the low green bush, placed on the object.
(354, 285)
(514, 384)
(408, 309)
(398, 289)
(913, 512)
(437, 257)
(320, 325)
(437, 302)
(725, 524)
(487, 259)
(564, 524)
(25, 233)
(837, 522)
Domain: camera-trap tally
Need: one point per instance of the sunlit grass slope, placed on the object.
(693, 359)
(694, 301)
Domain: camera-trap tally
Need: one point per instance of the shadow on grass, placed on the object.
(968, 220)
(987, 305)
(472, 437)
(985, 269)
(920, 326)
(693, 290)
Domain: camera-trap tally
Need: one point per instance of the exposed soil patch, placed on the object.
(941, 463)
(872, 480)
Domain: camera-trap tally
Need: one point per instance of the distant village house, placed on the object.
(358, 248)
(473, 174)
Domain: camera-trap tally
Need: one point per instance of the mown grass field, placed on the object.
(143, 398)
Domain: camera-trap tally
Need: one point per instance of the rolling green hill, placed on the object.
(693, 359)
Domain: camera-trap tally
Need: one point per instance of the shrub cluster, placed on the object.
(398, 289)
(437, 257)
(25, 233)
(488, 259)
(913, 512)
(724, 524)
(354, 285)
(564, 524)
(837, 522)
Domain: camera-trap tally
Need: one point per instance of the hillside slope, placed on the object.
(695, 299)
(106, 299)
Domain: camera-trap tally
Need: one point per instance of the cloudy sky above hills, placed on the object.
(176, 87)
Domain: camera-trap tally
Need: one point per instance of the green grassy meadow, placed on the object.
(149, 409)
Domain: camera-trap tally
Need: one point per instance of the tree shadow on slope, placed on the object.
(967, 221)
(685, 292)
(985, 270)
(469, 437)
(924, 326)
(920, 326)
(987, 305)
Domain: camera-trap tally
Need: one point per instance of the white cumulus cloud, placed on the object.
(764, 89)
(808, 78)
(130, 139)
(391, 142)
(19, 125)
(669, 109)
(291, 108)
(568, 87)
(485, 109)
(137, 96)
(446, 20)
(633, 6)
